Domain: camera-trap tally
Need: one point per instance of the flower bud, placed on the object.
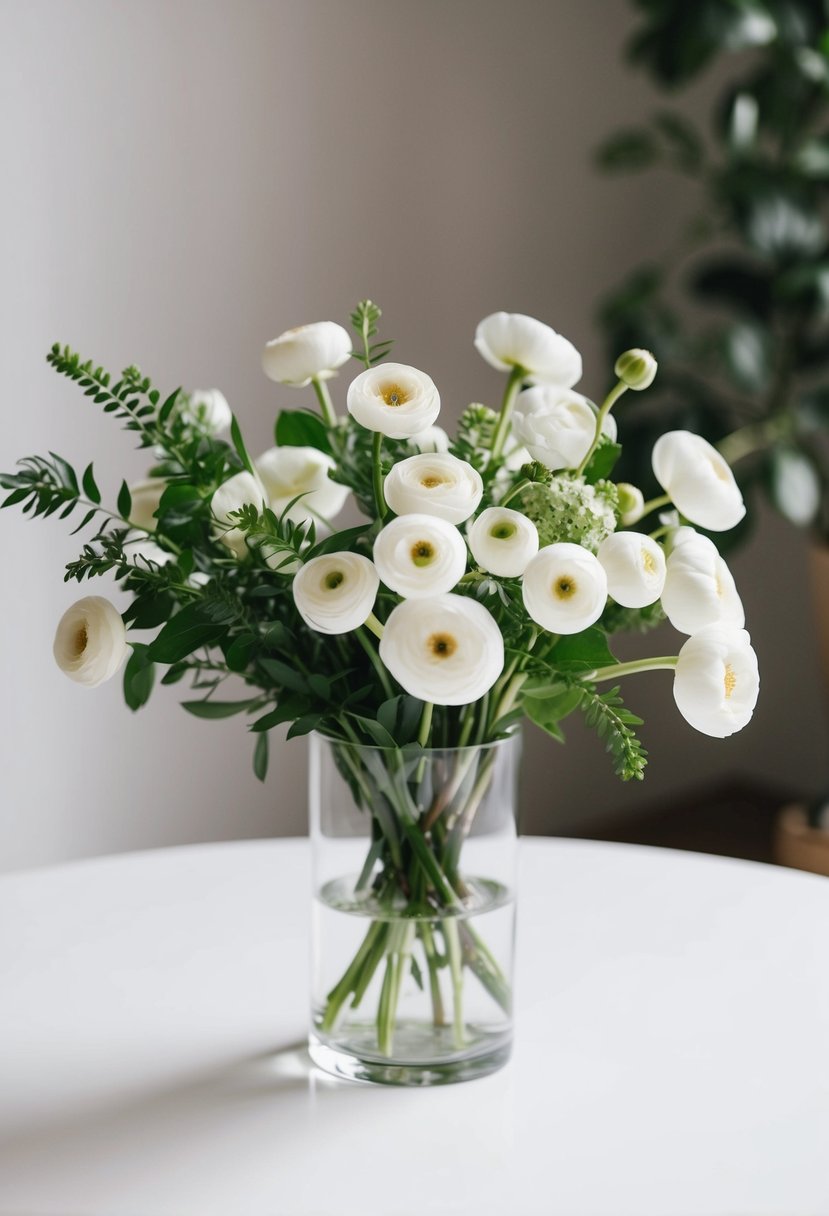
(636, 368)
(631, 502)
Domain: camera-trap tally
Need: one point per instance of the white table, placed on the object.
(671, 1056)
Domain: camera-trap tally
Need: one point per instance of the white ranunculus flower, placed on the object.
(631, 502)
(510, 339)
(335, 593)
(565, 588)
(635, 568)
(288, 472)
(420, 555)
(146, 495)
(716, 682)
(238, 491)
(209, 410)
(306, 353)
(91, 641)
(503, 541)
(433, 439)
(434, 484)
(446, 649)
(699, 588)
(556, 425)
(397, 400)
(698, 480)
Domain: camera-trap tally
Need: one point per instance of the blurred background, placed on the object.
(184, 180)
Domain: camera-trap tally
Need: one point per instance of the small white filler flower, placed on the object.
(635, 568)
(420, 555)
(446, 649)
(434, 483)
(699, 481)
(91, 641)
(335, 593)
(288, 472)
(238, 491)
(699, 588)
(306, 353)
(503, 541)
(565, 588)
(507, 340)
(555, 425)
(716, 682)
(397, 400)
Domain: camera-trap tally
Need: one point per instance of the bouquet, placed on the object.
(482, 587)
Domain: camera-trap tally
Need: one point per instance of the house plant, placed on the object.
(482, 589)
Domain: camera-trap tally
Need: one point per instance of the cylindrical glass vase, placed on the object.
(414, 864)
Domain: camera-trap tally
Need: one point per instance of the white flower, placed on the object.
(335, 593)
(434, 484)
(565, 588)
(141, 551)
(636, 368)
(635, 568)
(509, 339)
(503, 541)
(306, 353)
(288, 472)
(91, 641)
(556, 425)
(716, 681)
(209, 410)
(420, 555)
(631, 502)
(238, 491)
(446, 649)
(698, 480)
(397, 400)
(433, 439)
(146, 496)
(699, 588)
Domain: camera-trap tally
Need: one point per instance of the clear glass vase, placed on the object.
(414, 863)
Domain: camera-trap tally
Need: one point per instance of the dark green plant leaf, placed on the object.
(124, 501)
(139, 675)
(185, 632)
(301, 429)
(260, 756)
(216, 709)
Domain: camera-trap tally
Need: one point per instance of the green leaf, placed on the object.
(301, 429)
(288, 710)
(583, 651)
(338, 541)
(139, 675)
(602, 461)
(168, 407)
(216, 709)
(260, 756)
(239, 445)
(377, 733)
(185, 632)
(177, 672)
(240, 652)
(86, 519)
(90, 489)
(303, 725)
(124, 501)
(284, 675)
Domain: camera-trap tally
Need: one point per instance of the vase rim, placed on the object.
(511, 736)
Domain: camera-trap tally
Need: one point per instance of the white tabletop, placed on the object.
(671, 1053)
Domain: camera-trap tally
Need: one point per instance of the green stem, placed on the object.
(606, 406)
(375, 661)
(516, 377)
(454, 954)
(654, 504)
(662, 531)
(516, 490)
(425, 723)
(754, 437)
(614, 670)
(326, 405)
(377, 475)
(374, 625)
(433, 965)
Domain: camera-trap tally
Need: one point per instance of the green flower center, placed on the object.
(423, 553)
(502, 531)
(333, 579)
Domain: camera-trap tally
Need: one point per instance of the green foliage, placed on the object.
(606, 714)
(301, 429)
(754, 259)
(364, 320)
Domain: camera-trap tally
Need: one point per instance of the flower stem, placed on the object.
(374, 625)
(653, 504)
(607, 405)
(377, 475)
(375, 661)
(499, 437)
(515, 491)
(425, 723)
(453, 952)
(324, 398)
(664, 663)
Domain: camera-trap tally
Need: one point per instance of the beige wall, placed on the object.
(182, 181)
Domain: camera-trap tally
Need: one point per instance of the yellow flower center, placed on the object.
(80, 641)
(431, 480)
(442, 645)
(564, 587)
(333, 579)
(393, 394)
(423, 552)
(648, 562)
(729, 680)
